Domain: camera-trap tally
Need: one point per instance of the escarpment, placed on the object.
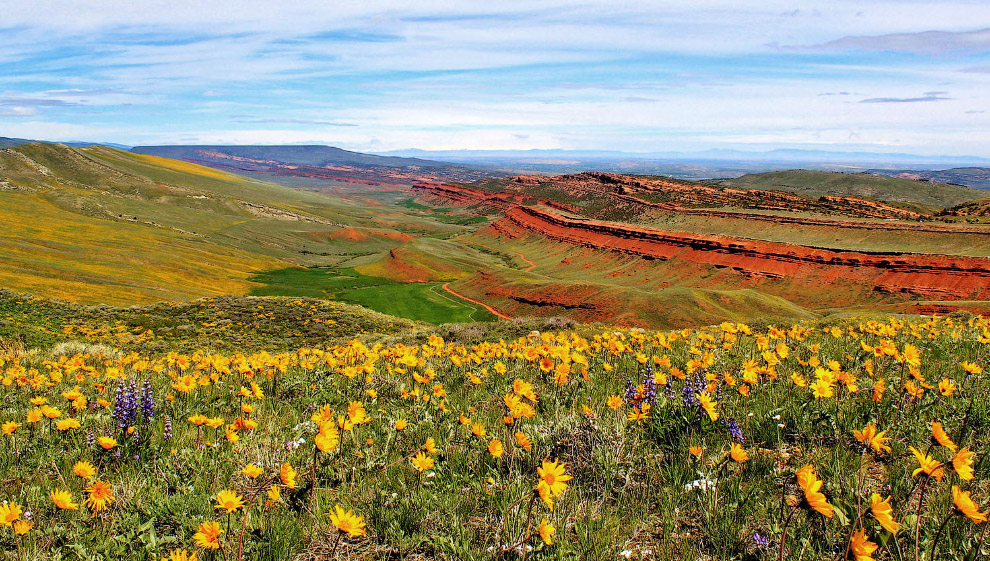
(933, 276)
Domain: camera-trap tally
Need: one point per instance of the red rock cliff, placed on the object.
(933, 276)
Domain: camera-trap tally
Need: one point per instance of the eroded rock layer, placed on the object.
(933, 276)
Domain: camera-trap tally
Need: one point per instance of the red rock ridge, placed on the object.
(458, 194)
(934, 276)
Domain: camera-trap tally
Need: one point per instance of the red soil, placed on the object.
(530, 264)
(352, 234)
(933, 276)
(446, 287)
(583, 302)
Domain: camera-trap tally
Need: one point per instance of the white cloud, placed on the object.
(631, 75)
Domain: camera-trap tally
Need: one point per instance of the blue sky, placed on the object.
(881, 76)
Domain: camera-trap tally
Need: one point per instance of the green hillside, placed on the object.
(891, 189)
(100, 225)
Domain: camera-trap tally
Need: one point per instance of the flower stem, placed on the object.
(938, 535)
(783, 535)
(917, 521)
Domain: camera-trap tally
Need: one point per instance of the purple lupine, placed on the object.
(630, 395)
(147, 401)
(125, 408)
(688, 395)
(650, 390)
(90, 439)
(761, 542)
(167, 431)
(734, 429)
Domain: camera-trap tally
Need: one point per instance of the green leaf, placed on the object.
(840, 516)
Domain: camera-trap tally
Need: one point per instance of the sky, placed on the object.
(679, 75)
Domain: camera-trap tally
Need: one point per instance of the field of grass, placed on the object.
(419, 301)
(727, 442)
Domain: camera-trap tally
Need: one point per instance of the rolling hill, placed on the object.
(978, 178)
(11, 142)
(646, 250)
(889, 189)
(318, 164)
(98, 225)
(262, 155)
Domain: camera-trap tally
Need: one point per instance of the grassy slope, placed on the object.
(423, 301)
(818, 183)
(102, 225)
(227, 324)
(625, 290)
(77, 257)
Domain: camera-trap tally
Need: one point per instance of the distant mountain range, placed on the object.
(970, 171)
(779, 155)
(288, 163)
(312, 155)
(708, 164)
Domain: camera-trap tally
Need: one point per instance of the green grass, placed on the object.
(445, 215)
(891, 189)
(419, 301)
(858, 239)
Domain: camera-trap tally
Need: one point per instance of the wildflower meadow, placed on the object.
(860, 439)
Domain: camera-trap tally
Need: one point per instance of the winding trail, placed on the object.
(521, 256)
(446, 287)
(457, 301)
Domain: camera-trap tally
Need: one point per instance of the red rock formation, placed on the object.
(933, 276)
(458, 194)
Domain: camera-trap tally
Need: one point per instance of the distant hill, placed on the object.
(11, 142)
(317, 167)
(891, 189)
(978, 178)
(84, 143)
(260, 157)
